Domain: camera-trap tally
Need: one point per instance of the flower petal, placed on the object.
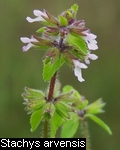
(38, 13)
(93, 56)
(27, 47)
(79, 64)
(90, 40)
(77, 70)
(87, 61)
(31, 20)
(25, 39)
(78, 73)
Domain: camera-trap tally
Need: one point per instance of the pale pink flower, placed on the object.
(28, 40)
(38, 15)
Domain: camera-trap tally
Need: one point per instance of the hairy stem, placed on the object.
(45, 132)
(50, 93)
(52, 85)
(86, 134)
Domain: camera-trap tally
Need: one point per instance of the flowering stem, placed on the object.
(52, 82)
(50, 97)
(51, 89)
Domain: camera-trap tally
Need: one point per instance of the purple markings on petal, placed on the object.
(90, 40)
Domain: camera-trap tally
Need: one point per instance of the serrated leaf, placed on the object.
(56, 122)
(51, 67)
(35, 119)
(78, 42)
(99, 122)
(70, 127)
(63, 21)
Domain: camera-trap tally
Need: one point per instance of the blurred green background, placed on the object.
(18, 69)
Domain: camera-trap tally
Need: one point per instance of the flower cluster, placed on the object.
(69, 36)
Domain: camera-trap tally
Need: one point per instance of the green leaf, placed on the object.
(70, 127)
(99, 122)
(35, 119)
(51, 67)
(56, 122)
(63, 21)
(78, 42)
